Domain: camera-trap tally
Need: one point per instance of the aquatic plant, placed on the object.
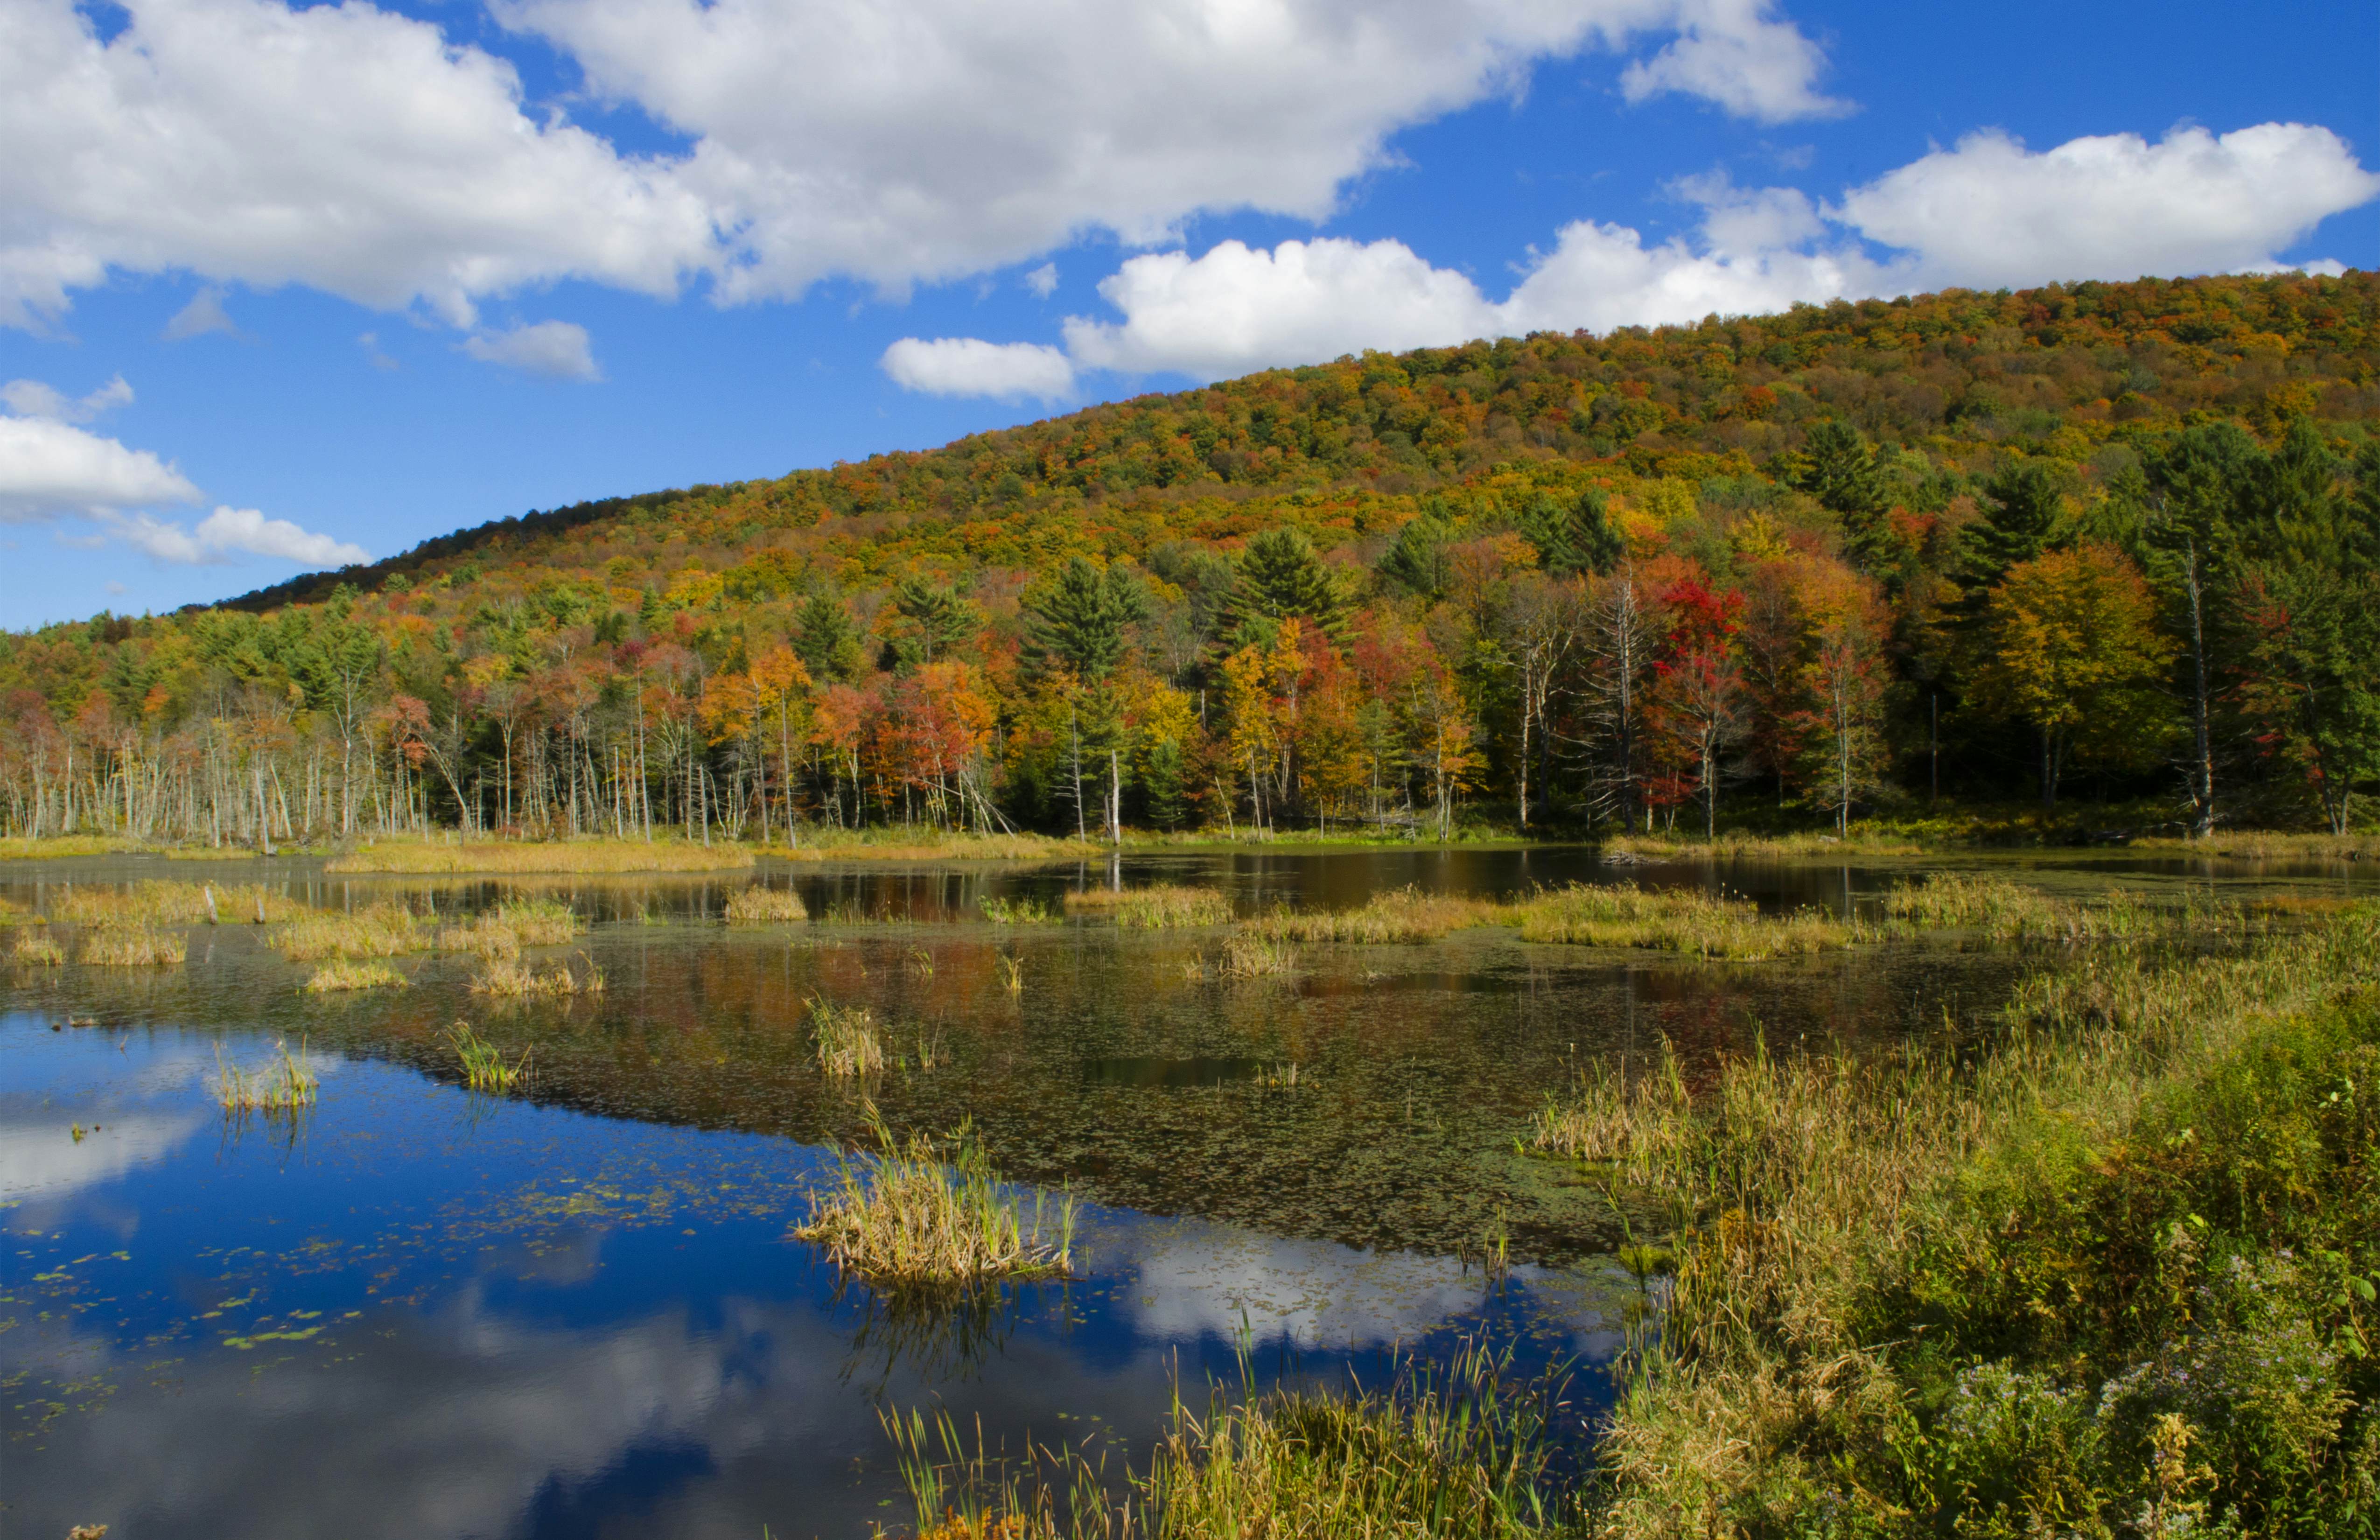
(483, 1063)
(501, 932)
(918, 1212)
(1012, 972)
(525, 857)
(282, 1085)
(1799, 846)
(905, 844)
(1158, 907)
(1246, 955)
(1686, 920)
(140, 948)
(1018, 911)
(757, 906)
(918, 963)
(378, 930)
(848, 1043)
(1403, 915)
(155, 901)
(512, 977)
(38, 952)
(347, 973)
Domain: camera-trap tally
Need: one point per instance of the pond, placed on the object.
(414, 1310)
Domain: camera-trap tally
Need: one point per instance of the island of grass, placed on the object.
(523, 856)
(917, 1213)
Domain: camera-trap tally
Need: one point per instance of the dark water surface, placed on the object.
(420, 1311)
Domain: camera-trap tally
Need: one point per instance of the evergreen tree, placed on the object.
(1841, 473)
(1280, 575)
(1416, 563)
(2020, 522)
(1079, 622)
(938, 617)
(826, 639)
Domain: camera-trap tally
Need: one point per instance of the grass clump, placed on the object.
(923, 1213)
(1404, 915)
(848, 1043)
(1018, 911)
(1683, 920)
(2268, 846)
(1800, 846)
(483, 1063)
(510, 976)
(378, 930)
(38, 952)
(154, 902)
(283, 1084)
(905, 845)
(348, 972)
(1162, 906)
(512, 924)
(555, 856)
(767, 906)
(1249, 955)
(141, 947)
(2107, 1272)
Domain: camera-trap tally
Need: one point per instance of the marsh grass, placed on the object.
(2006, 911)
(1012, 972)
(38, 952)
(1811, 1192)
(847, 1039)
(483, 1063)
(1018, 911)
(501, 932)
(909, 845)
(139, 948)
(1681, 920)
(757, 906)
(378, 930)
(1162, 907)
(1404, 915)
(2259, 845)
(1249, 955)
(348, 972)
(525, 857)
(157, 901)
(63, 847)
(1454, 1452)
(512, 977)
(922, 1213)
(282, 1085)
(1802, 846)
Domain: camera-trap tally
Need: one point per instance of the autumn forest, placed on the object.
(2074, 547)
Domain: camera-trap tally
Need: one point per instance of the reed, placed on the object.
(378, 930)
(155, 901)
(1404, 917)
(921, 1213)
(913, 845)
(38, 952)
(348, 972)
(1018, 911)
(501, 932)
(140, 948)
(483, 1063)
(1162, 906)
(1682, 920)
(61, 848)
(1799, 846)
(514, 979)
(1011, 973)
(848, 1042)
(2269, 846)
(282, 1085)
(1247, 956)
(590, 857)
(757, 906)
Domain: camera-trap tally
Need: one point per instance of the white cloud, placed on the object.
(229, 532)
(1990, 212)
(48, 468)
(341, 147)
(1735, 54)
(969, 366)
(1987, 212)
(32, 398)
(549, 349)
(203, 314)
(1043, 280)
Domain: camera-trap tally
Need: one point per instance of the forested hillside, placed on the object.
(2090, 539)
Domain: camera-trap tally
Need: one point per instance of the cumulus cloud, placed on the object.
(49, 468)
(345, 147)
(549, 349)
(203, 314)
(1736, 54)
(1043, 280)
(1986, 213)
(227, 533)
(32, 398)
(969, 366)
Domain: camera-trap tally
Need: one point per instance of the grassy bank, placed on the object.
(923, 844)
(2105, 1274)
(502, 857)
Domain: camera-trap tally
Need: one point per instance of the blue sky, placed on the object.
(362, 285)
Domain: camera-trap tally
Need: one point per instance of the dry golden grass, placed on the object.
(154, 902)
(894, 845)
(1405, 915)
(2009, 911)
(347, 973)
(512, 977)
(38, 952)
(1247, 956)
(381, 930)
(501, 932)
(1681, 920)
(63, 847)
(767, 906)
(527, 856)
(917, 1213)
(2253, 845)
(848, 1042)
(139, 947)
(1162, 906)
(1760, 847)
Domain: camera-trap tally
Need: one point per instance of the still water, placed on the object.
(414, 1311)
